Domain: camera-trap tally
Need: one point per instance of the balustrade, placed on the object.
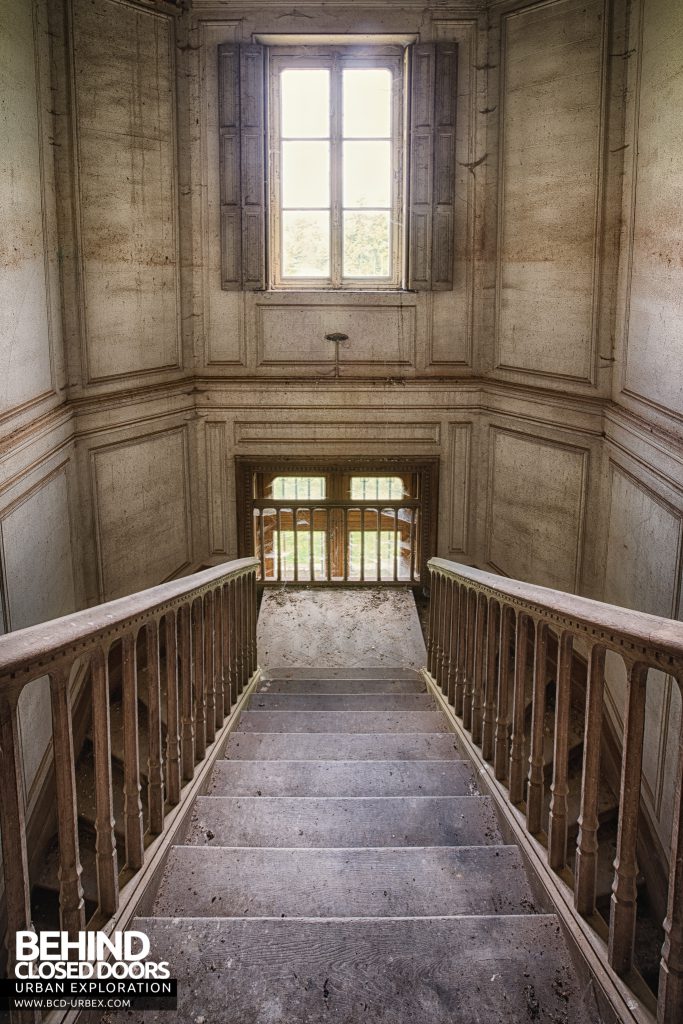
(482, 629)
(198, 635)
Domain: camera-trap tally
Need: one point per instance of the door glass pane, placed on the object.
(367, 103)
(299, 488)
(372, 488)
(306, 175)
(305, 244)
(305, 103)
(367, 174)
(366, 244)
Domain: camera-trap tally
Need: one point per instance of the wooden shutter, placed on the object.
(431, 227)
(241, 89)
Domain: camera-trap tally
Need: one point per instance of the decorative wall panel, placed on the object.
(535, 515)
(296, 335)
(124, 83)
(643, 570)
(217, 487)
(25, 342)
(368, 433)
(141, 500)
(460, 444)
(653, 324)
(551, 144)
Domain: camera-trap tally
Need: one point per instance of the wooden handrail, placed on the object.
(205, 626)
(477, 620)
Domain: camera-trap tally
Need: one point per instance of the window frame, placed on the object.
(393, 57)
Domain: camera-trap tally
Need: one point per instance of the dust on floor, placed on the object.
(372, 627)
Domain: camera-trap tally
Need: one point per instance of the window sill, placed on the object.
(337, 293)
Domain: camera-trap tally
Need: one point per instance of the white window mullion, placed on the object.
(336, 170)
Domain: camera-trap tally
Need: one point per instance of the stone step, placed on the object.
(334, 822)
(401, 882)
(342, 747)
(323, 686)
(342, 721)
(342, 778)
(342, 702)
(321, 673)
(453, 970)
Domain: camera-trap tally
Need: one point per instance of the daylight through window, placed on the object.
(337, 182)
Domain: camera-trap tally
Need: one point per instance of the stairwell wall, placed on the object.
(39, 569)
(643, 546)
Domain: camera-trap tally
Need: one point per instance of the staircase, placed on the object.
(343, 865)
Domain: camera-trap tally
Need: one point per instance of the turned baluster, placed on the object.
(186, 701)
(209, 667)
(198, 679)
(173, 762)
(557, 823)
(459, 695)
(219, 656)
(624, 892)
(234, 640)
(253, 661)
(469, 660)
(71, 904)
(490, 679)
(670, 1001)
(479, 669)
(155, 764)
(244, 630)
(238, 613)
(500, 758)
(437, 598)
(105, 843)
(536, 786)
(131, 754)
(13, 828)
(446, 608)
(519, 710)
(585, 874)
(449, 682)
(433, 582)
(228, 678)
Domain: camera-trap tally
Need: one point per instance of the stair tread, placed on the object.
(290, 672)
(331, 686)
(342, 746)
(364, 702)
(335, 822)
(342, 778)
(390, 882)
(342, 721)
(425, 971)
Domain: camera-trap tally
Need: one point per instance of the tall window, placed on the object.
(336, 160)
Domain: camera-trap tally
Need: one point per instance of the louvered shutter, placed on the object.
(242, 166)
(431, 228)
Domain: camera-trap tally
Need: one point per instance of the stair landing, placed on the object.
(343, 866)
